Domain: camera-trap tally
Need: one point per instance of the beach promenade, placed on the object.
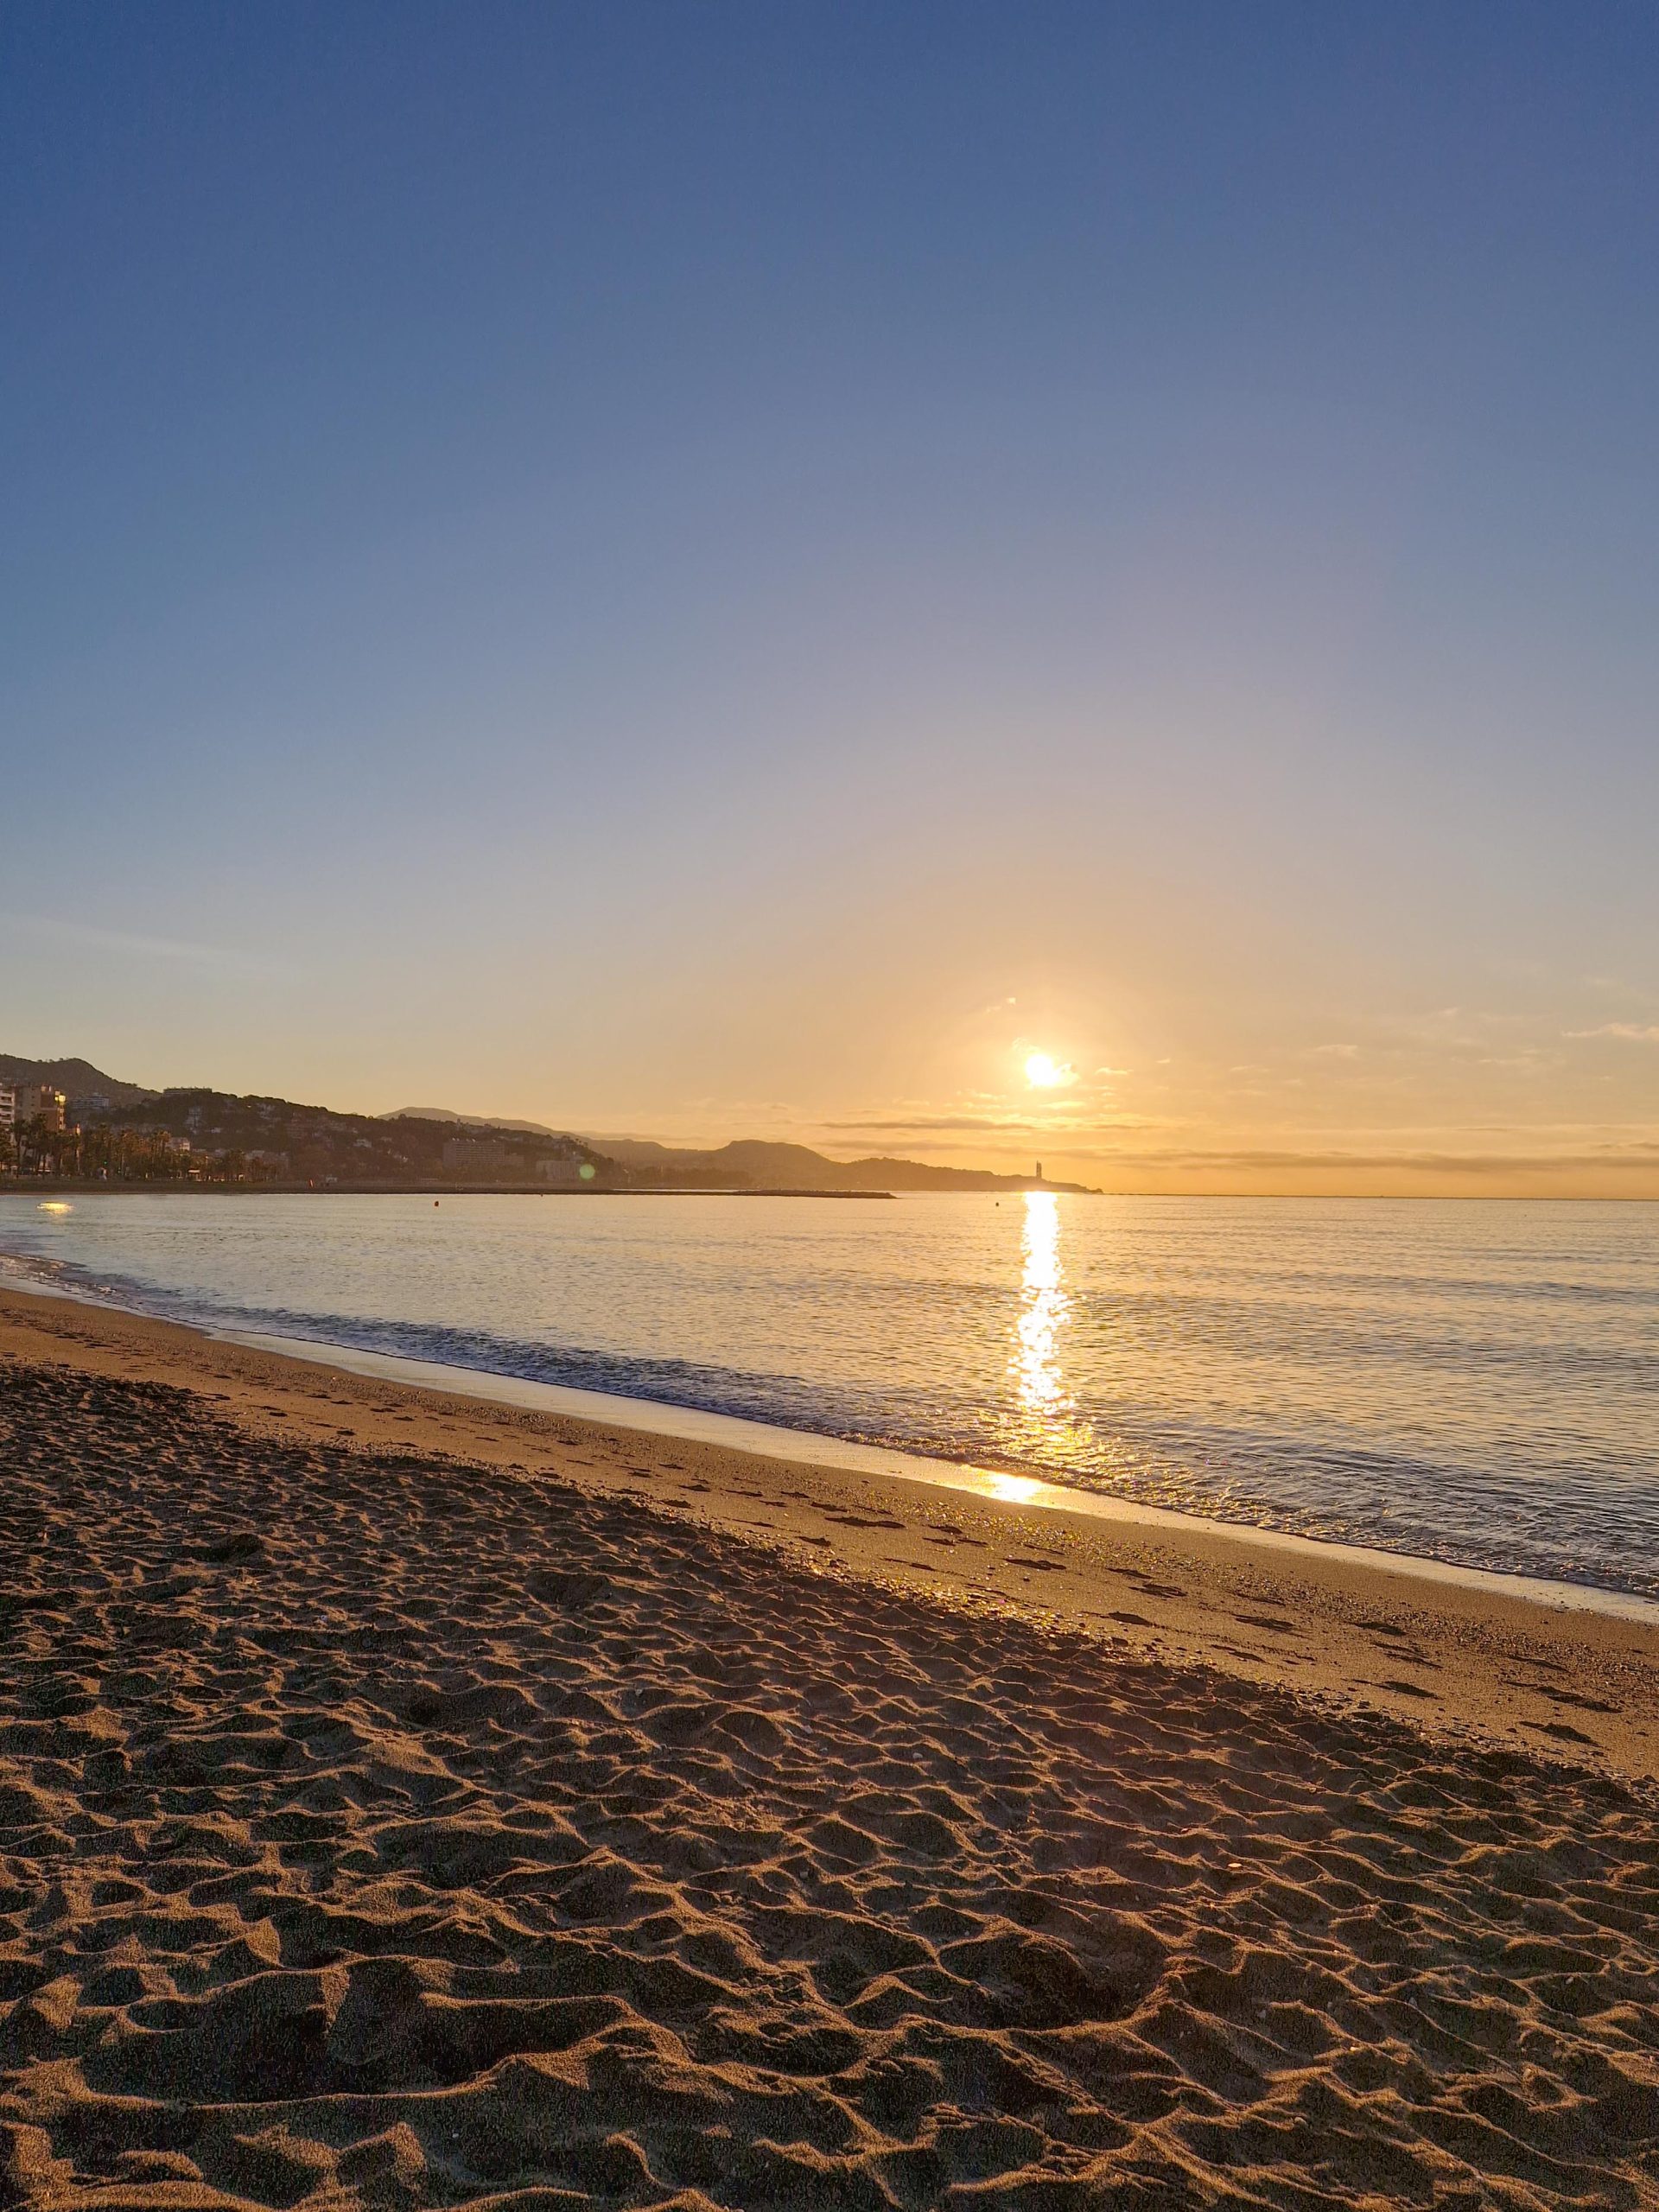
(409, 1800)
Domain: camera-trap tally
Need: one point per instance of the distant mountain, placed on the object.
(79, 1079)
(313, 1144)
(753, 1163)
(471, 1120)
(429, 1143)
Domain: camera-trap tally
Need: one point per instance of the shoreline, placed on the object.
(1557, 1677)
(184, 1186)
(22, 1188)
(804, 1447)
(774, 1441)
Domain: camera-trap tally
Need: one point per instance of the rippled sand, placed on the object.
(383, 1830)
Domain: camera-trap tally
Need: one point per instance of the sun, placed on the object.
(1042, 1072)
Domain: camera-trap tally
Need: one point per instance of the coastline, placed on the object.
(689, 1423)
(770, 1440)
(26, 1186)
(80, 1186)
(409, 1799)
(1552, 1670)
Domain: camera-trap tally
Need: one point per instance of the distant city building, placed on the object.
(481, 1156)
(32, 1101)
(510, 1159)
(564, 1174)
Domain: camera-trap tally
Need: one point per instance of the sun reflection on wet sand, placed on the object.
(1013, 1490)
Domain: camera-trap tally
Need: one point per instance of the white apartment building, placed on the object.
(27, 1102)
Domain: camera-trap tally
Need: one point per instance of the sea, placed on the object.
(1475, 1382)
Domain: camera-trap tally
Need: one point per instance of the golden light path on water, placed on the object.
(1043, 1409)
(1044, 1305)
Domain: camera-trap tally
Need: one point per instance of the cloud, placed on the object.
(930, 1125)
(132, 945)
(1428, 1163)
(1629, 1033)
(1083, 1147)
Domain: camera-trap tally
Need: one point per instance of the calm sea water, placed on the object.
(1475, 1382)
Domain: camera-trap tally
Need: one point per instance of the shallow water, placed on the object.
(1474, 1382)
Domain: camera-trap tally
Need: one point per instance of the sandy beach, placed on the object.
(409, 1800)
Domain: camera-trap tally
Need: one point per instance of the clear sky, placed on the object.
(708, 569)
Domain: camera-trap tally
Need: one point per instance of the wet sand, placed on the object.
(406, 1799)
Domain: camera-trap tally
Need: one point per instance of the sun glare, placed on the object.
(1043, 1072)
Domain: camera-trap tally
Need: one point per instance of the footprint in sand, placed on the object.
(690, 1878)
(1561, 1729)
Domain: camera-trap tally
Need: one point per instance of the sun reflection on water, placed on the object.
(1043, 1305)
(1043, 1406)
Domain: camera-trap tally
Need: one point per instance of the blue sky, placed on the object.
(709, 570)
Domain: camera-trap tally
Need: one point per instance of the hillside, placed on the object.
(423, 1144)
(314, 1144)
(751, 1161)
(82, 1084)
(472, 1121)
